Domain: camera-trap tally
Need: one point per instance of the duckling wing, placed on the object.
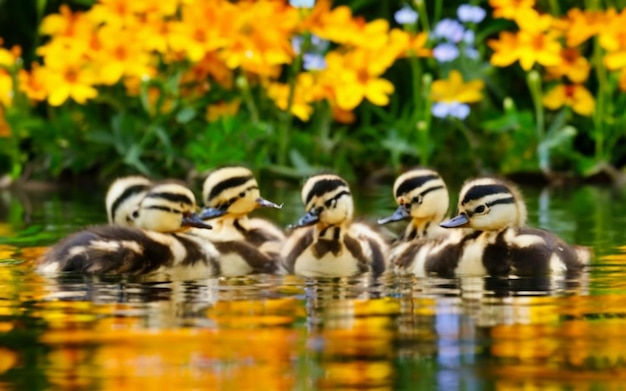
(108, 249)
(295, 245)
(368, 246)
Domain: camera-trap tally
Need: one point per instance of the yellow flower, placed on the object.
(68, 79)
(455, 90)
(255, 46)
(305, 92)
(8, 57)
(204, 28)
(31, 83)
(67, 24)
(574, 66)
(353, 76)
(613, 40)
(528, 46)
(222, 109)
(409, 45)
(575, 95)
(117, 13)
(6, 88)
(508, 9)
(120, 54)
(585, 24)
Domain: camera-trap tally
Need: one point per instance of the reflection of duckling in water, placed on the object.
(422, 198)
(116, 249)
(245, 244)
(325, 241)
(494, 239)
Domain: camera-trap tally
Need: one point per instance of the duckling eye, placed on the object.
(480, 209)
(242, 194)
(135, 214)
(330, 203)
(417, 199)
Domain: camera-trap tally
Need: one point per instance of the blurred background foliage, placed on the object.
(465, 104)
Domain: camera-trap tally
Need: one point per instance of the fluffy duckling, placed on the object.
(123, 196)
(326, 243)
(246, 244)
(157, 242)
(494, 239)
(422, 197)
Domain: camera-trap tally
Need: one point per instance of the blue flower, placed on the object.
(469, 37)
(406, 15)
(445, 52)
(302, 3)
(471, 53)
(449, 29)
(451, 109)
(470, 13)
(313, 62)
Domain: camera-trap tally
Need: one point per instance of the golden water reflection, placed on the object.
(286, 333)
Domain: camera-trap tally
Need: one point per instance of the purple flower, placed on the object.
(406, 15)
(302, 3)
(471, 53)
(470, 13)
(445, 52)
(313, 62)
(469, 37)
(296, 43)
(449, 29)
(450, 109)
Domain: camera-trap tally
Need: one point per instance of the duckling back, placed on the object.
(325, 241)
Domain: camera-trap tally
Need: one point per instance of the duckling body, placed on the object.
(246, 244)
(325, 242)
(423, 199)
(489, 236)
(139, 249)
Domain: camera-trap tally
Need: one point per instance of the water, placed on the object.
(289, 333)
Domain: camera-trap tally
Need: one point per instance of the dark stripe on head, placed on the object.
(431, 189)
(173, 197)
(479, 191)
(324, 186)
(414, 183)
(164, 208)
(227, 184)
(508, 200)
(130, 191)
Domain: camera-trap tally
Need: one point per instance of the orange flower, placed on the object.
(575, 95)
(222, 109)
(574, 66)
(455, 90)
(409, 45)
(508, 9)
(31, 83)
(5, 130)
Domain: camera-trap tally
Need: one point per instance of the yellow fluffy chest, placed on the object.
(342, 264)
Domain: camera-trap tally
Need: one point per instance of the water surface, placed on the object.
(268, 332)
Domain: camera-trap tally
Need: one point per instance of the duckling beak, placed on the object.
(310, 218)
(262, 202)
(193, 220)
(400, 214)
(212, 213)
(457, 221)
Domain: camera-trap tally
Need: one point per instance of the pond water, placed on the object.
(268, 332)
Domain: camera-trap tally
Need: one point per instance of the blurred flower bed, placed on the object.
(175, 87)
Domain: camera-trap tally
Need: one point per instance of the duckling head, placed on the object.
(327, 200)
(167, 207)
(489, 204)
(232, 191)
(421, 195)
(123, 196)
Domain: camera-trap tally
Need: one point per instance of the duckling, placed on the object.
(123, 196)
(326, 242)
(155, 242)
(494, 239)
(231, 193)
(422, 197)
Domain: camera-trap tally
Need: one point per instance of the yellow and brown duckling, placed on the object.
(422, 198)
(123, 196)
(326, 242)
(494, 239)
(157, 240)
(247, 244)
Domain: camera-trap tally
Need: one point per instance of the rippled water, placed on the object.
(289, 333)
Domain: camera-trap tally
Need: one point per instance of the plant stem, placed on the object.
(423, 15)
(600, 108)
(285, 128)
(534, 85)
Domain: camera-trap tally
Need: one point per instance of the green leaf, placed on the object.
(185, 115)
